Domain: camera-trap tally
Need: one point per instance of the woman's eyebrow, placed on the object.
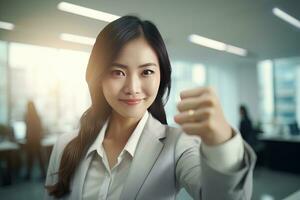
(141, 66)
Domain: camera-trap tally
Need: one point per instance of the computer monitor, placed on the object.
(19, 128)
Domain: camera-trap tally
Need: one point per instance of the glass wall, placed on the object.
(285, 90)
(279, 87)
(266, 94)
(3, 82)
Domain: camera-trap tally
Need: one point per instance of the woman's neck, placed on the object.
(120, 128)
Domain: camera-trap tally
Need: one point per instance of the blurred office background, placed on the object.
(249, 51)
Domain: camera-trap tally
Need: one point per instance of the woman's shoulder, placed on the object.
(65, 138)
(69, 135)
(166, 130)
(61, 143)
(172, 131)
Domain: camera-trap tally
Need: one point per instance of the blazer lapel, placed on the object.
(146, 154)
(79, 178)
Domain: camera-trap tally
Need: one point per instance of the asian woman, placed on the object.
(125, 149)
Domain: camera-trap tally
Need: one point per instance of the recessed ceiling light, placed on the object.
(77, 39)
(6, 25)
(236, 50)
(197, 39)
(86, 12)
(286, 17)
(214, 44)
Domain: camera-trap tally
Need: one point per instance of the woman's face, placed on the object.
(131, 83)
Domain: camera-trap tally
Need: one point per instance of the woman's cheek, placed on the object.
(152, 87)
(114, 86)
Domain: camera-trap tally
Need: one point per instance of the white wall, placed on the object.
(248, 88)
(235, 85)
(223, 80)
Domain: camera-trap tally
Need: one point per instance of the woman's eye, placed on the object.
(117, 73)
(148, 72)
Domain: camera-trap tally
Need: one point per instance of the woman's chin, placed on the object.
(132, 113)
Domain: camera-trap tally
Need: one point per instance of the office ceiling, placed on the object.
(243, 23)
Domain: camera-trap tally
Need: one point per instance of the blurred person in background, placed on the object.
(246, 127)
(34, 134)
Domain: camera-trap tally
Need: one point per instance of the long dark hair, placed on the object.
(108, 44)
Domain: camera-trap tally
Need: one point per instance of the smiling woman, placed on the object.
(125, 149)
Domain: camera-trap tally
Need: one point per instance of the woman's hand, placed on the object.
(201, 114)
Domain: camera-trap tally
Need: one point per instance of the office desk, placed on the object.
(49, 140)
(294, 196)
(282, 152)
(280, 138)
(8, 146)
(47, 144)
(10, 156)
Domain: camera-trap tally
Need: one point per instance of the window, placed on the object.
(279, 97)
(54, 79)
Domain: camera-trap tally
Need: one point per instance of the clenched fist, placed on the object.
(201, 114)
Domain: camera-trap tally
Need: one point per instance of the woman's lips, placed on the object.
(131, 101)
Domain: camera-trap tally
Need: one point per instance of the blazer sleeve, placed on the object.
(204, 182)
(54, 161)
(53, 165)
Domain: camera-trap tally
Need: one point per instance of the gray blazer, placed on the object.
(158, 173)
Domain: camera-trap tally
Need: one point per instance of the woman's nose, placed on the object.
(132, 85)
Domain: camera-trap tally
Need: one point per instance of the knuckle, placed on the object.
(210, 102)
(209, 125)
(198, 101)
(181, 94)
(207, 113)
(179, 106)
